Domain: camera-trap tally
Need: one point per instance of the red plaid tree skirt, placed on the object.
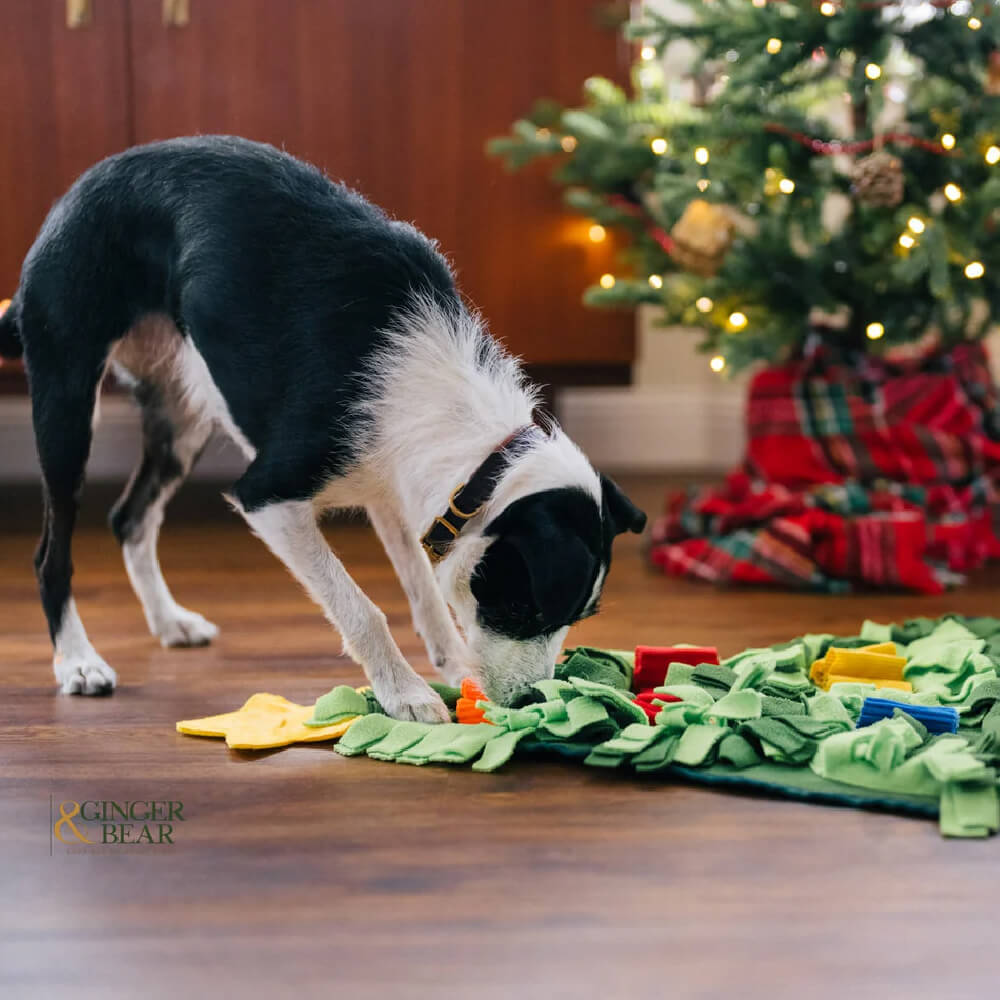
(880, 477)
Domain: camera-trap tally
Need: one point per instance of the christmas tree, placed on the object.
(831, 177)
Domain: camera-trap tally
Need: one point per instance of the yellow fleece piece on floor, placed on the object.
(877, 664)
(265, 721)
(879, 682)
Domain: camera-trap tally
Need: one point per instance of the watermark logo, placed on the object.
(111, 823)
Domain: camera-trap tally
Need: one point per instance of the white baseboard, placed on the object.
(656, 430)
(620, 429)
(115, 451)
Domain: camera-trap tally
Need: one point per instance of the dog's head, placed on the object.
(543, 568)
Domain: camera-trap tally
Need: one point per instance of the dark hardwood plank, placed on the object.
(303, 870)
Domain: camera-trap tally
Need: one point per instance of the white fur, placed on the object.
(289, 529)
(78, 667)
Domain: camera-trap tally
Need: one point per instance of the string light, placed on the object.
(827, 9)
(717, 363)
(760, 3)
(607, 281)
(542, 133)
(953, 192)
(948, 141)
(992, 155)
(658, 146)
(874, 330)
(701, 155)
(917, 225)
(655, 281)
(568, 143)
(737, 320)
(873, 71)
(647, 52)
(773, 46)
(974, 270)
(702, 183)
(907, 241)
(704, 304)
(975, 24)
(786, 185)
(597, 233)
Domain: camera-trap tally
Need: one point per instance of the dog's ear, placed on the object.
(560, 569)
(622, 513)
(538, 573)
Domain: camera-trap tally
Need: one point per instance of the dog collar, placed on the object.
(467, 499)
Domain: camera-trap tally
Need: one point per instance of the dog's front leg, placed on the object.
(431, 617)
(289, 529)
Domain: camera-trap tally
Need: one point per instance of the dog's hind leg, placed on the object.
(173, 438)
(431, 617)
(63, 397)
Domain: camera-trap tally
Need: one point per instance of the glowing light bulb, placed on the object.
(704, 304)
(874, 330)
(702, 183)
(568, 143)
(773, 46)
(948, 141)
(786, 185)
(953, 192)
(975, 24)
(658, 146)
(647, 52)
(542, 133)
(597, 233)
(974, 270)
(827, 9)
(701, 155)
(873, 71)
(655, 281)
(906, 240)
(917, 225)
(717, 363)
(760, 3)
(737, 320)
(992, 155)
(607, 281)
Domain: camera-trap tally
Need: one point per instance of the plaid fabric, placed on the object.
(879, 477)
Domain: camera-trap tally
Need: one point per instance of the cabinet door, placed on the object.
(65, 106)
(397, 98)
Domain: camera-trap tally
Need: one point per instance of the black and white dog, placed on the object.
(233, 286)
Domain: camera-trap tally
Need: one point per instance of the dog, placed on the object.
(232, 286)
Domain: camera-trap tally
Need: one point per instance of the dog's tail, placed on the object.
(10, 340)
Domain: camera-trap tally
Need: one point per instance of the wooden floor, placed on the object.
(302, 871)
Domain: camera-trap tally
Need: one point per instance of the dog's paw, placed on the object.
(186, 628)
(86, 675)
(418, 703)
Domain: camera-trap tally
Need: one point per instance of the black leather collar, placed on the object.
(467, 500)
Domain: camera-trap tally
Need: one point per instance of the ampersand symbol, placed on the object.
(67, 819)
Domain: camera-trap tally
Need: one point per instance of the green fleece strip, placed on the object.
(468, 744)
(499, 750)
(435, 740)
(366, 732)
(697, 745)
(340, 703)
(714, 677)
(738, 706)
(970, 809)
(738, 751)
(619, 706)
(598, 665)
(402, 736)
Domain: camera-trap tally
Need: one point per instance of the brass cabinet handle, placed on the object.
(176, 13)
(79, 13)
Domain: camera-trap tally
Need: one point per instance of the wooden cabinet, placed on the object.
(395, 97)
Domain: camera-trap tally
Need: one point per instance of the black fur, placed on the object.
(281, 278)
(538, 575)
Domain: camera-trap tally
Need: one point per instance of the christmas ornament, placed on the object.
(702, 235)
(993, 74)
(878, 180)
